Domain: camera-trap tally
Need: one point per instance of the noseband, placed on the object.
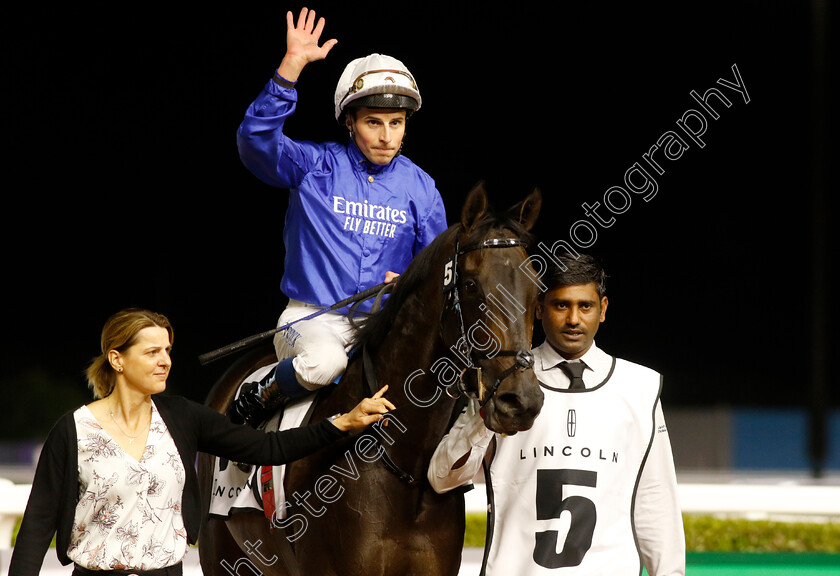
(523, 359)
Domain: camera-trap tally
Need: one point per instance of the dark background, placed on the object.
(123, 186)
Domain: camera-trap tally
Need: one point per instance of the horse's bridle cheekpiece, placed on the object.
(524, 359)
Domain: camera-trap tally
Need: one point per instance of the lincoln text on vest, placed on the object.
(366, 218)
(552, 451)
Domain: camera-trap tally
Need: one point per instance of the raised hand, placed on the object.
(302, 43)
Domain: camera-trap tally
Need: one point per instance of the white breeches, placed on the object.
(319, 345)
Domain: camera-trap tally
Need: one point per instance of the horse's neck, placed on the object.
(404, 361)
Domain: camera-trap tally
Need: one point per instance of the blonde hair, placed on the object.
(120, 333)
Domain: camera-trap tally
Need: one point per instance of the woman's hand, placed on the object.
(365, 413)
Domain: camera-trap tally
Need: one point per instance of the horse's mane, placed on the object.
(373, 330)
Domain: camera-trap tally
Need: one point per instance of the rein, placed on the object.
(369, 376)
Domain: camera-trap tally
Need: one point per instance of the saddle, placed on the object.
(238, 486)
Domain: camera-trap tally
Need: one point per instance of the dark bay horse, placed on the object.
(459, 320)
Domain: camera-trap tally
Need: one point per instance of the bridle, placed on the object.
(523, 359)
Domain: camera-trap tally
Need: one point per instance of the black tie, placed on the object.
(574, 370)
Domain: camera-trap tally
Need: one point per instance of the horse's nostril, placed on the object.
(510, 403)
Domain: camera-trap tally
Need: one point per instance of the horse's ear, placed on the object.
(474, 207)
(527, 211)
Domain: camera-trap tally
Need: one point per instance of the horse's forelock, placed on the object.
(493, 220)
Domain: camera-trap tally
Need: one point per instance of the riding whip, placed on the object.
(257, 338)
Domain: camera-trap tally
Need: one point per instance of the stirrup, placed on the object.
(256, 401)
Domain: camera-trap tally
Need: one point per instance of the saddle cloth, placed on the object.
(234, 489)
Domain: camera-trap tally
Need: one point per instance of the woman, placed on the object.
(116, 482)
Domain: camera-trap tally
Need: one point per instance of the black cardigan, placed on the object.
(194, 428)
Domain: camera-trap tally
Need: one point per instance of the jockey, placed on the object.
(358, 211)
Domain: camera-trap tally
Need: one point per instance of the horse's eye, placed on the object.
(470, 286)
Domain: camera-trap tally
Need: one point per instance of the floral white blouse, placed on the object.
(129, 512)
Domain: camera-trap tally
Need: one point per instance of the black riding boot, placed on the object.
(257, 400)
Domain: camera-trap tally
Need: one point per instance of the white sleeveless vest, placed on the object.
(566, 487)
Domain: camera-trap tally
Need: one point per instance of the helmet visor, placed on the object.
(381, 88)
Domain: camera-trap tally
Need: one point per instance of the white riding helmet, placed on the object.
(376, 81)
